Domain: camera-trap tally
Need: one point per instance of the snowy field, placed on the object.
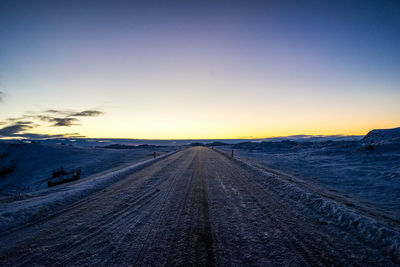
(26, 167)
(366, 171)
(193, 207)
(279, 203)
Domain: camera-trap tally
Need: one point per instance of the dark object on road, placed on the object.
(232, 153)
(61, 176)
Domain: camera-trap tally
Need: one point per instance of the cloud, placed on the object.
(58, 112)
(88, 113)
(38, 136)
(16, 128)
(20, 128)
(67, 117)
(21, 118)
(2, 94)
(49, 136)
(68, 113)
(64, 121)
(23, 125)
(59, 118)
(57, 122)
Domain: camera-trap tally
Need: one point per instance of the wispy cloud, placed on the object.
(50, 136)
(23, 125)
(69, 113)
(58, 112)
(16, 128)
(88, 113)
(58, 122)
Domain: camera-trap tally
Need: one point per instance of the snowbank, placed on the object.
(26, 167)
(368, 174)
(367, 228)
(49, 202)
(382, 136)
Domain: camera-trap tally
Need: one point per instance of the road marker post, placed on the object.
(154, 154)
(232, 153)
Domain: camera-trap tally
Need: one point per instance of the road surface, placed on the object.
(195, 207)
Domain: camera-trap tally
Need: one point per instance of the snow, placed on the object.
(366, 174)
(198, 206)
(341, 184)
(31, 207)
(24, 194)
(333, 209)
(380, 137)
(31, 164)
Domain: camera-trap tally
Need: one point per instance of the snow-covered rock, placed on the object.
(382, 136)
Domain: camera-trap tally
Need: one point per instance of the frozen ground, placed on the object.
(200, 207)
(275, 203)
(26, 167)
(367, 170)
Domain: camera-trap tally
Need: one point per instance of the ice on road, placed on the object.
(200, 207)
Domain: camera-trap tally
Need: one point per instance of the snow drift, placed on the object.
(382, 136)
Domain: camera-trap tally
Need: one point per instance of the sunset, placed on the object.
(206, 133)
(175, 70)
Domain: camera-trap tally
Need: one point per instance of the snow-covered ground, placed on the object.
(193, 207)
(25, 167)
(129, 213)
(367, 171)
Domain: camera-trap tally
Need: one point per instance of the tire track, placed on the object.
(196, 207)
(313, 241)
(161, 213)
(111, 214)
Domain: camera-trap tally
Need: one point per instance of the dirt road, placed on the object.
(195, 207)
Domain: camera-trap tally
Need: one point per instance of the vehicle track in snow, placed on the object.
(195, 207)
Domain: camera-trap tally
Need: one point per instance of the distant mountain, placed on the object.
(217, 144)
(382, 136)
(314, 138)
(118, 146)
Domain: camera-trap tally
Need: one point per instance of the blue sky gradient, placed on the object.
(203, 69)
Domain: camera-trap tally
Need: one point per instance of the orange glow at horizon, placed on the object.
(182, 72)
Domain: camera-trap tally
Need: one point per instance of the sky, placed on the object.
(198, 69)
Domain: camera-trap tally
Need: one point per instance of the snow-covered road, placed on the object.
(200, 207)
